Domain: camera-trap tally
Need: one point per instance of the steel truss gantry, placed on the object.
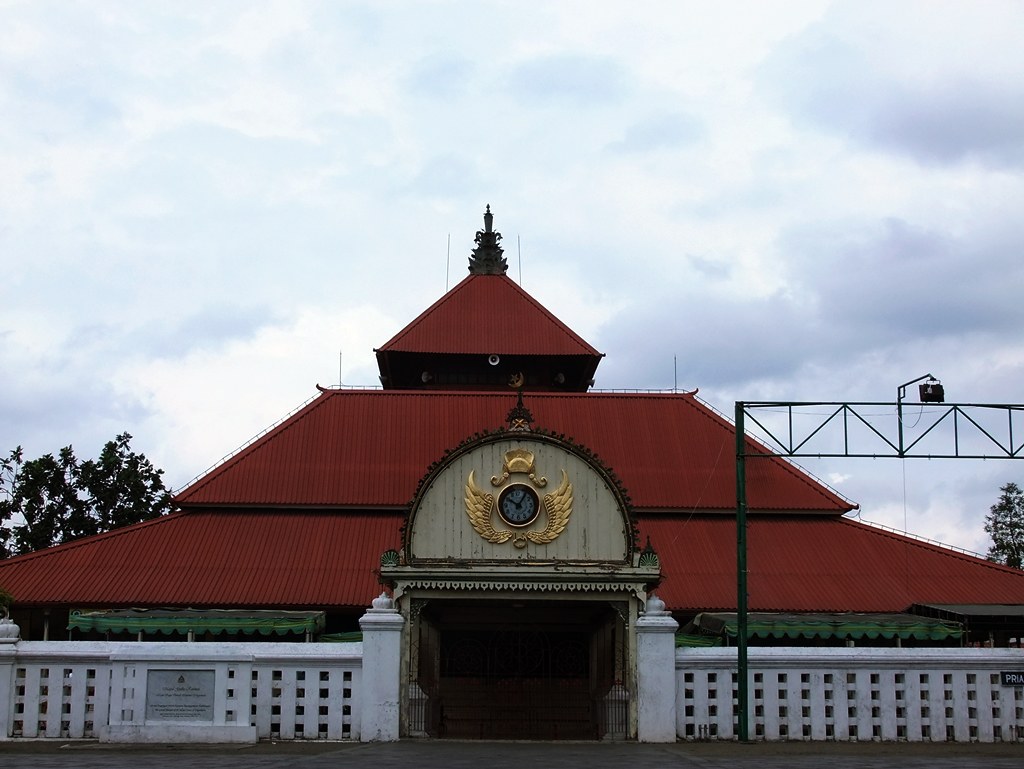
(823, 429)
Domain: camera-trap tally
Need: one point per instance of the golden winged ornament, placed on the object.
(478, 507)
(558, 505)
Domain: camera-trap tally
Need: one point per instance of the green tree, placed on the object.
(1005, 525)
(7, 472)
(42, 504)
(56, 499)
(123, 487)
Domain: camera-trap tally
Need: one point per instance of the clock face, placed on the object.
(518, 505)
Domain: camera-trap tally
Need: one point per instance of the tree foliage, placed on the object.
(56, 499)
(1005, 525)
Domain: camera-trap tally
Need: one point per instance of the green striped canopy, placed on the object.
(199, 621)
(818, 625)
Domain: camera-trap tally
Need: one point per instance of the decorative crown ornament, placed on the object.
(519, 461)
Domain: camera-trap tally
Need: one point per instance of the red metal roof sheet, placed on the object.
(487, 314)
(325, 560)
(242, 559)
(817, 563)
(370, 448)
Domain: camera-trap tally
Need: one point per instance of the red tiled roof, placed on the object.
(819, 563)
(487, 314)
(369, 449)
(325, 560)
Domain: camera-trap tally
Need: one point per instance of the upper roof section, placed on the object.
(487, 333)
(487, 314)
(369, 449)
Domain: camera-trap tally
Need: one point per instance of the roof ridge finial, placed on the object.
(519, 417)
(487, 257)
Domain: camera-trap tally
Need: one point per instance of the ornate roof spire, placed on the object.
(487, 257)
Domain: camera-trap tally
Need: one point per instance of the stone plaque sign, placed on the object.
(179, 695)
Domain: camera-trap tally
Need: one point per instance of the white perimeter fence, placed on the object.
(212, 692)
(913, 695)
(203, 692)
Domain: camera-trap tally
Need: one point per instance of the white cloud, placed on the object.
(203, 205)
(211, 401)
(889, 87)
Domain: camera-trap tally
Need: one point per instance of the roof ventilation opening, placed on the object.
(494, 360)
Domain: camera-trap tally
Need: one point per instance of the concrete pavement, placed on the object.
(452, 754)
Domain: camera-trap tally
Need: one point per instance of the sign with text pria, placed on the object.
(1012, 678)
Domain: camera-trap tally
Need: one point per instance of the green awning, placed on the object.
(349, 637)
(818, 625)
(199, 621)
(687, 640)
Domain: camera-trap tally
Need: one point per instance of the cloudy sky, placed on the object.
(208, 208)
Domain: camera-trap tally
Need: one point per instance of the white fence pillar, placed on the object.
(381, 691)
(655, 673)
(9, 633)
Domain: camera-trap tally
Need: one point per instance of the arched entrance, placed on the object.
(518, 669)
(521, 580)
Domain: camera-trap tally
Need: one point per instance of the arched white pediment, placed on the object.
(519, 497)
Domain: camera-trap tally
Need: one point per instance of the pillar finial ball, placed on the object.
(655, 605)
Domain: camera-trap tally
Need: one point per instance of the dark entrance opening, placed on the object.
(519, 670)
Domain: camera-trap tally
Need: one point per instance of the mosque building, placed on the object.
(521, 521)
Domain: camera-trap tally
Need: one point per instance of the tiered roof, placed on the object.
(299, 518)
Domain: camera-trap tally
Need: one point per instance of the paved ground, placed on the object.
(451, 754)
